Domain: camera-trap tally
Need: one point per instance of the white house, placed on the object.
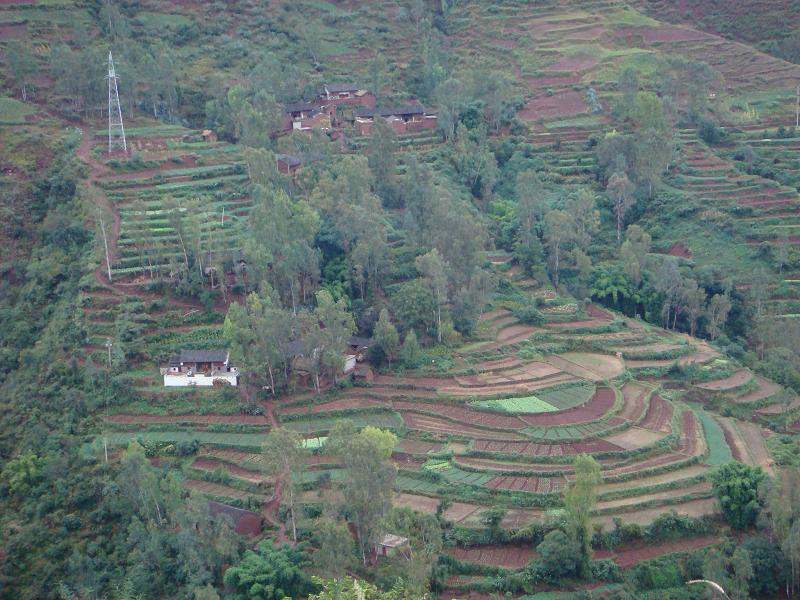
(201, 368)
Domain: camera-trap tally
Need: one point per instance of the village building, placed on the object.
(288, 164)
(345, 93)
(305, 116)
(402, 119)
(391, 545)
(200, 368)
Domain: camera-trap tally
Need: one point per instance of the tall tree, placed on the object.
(586, 216)
(629, 87)
(742, 574)
(258, 335)
(381, 149)
(579, 501)
(330, 326)
(621, 191)
(670, 283)
(559, 228)
(279, 245)
(284, 452)
(334, 556)
(377, 74)
(434, 273)
(22, 65)
(717, 314)
(425, 540)
(369, 477)
(694, 303)
(386, 337)
(449, 97)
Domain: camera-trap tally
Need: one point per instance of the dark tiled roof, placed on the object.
(334, 88)
(245, 522)
(294, 160)
(299, 106)
(189, 356)
(358, 341)
(408, 109)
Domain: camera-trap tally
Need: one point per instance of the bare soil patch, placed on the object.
(335, 405)
(658, 415)
(588, 365)
(516, 332)
(209, 464)
(765, 389)
(416, 446)
(755, 445)
(510, 557)
(677, 475)
(630, 556)
(466, 415)
(596, 312)
(737, 379)
(635, 437)
(458, 511)
(559, 105)
(665, 495)
(634, 395)
(423, 504)
(665, 33)
(534, 449)
(545, 82)
(693, 508)
(442, 426)
(219, 490)
(680, 249)
(574, 65)
(599, 404)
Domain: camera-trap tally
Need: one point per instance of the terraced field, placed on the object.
(483, 435)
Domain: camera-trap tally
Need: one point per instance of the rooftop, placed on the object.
(406, 109)
(200, 356)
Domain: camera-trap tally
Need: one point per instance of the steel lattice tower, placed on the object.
(116, 131)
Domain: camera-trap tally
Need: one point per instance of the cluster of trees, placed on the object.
(364, 508)
(655, 288)
(266, 340)
(564, 232)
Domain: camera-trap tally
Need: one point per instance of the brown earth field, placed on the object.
(533, 449)
(658, 415)
(599, 405)
(734, 381)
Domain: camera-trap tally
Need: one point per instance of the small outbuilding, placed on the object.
(391, 545)
(200, 368)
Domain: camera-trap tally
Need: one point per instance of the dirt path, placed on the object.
(270, 508)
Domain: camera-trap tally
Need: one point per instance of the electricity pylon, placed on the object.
(116, 131)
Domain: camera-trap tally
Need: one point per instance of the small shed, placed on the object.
(208, 135)
(391, 545)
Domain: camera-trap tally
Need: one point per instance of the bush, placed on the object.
(709, 131)
(559, 555)
(528, 313)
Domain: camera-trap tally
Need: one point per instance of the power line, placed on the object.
(116, 131)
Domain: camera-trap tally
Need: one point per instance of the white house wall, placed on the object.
(183, 380)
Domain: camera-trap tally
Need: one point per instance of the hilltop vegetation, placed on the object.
(573, 301)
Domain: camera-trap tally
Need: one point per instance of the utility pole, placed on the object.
(116, 131)
(108, 347)
(797, 107)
